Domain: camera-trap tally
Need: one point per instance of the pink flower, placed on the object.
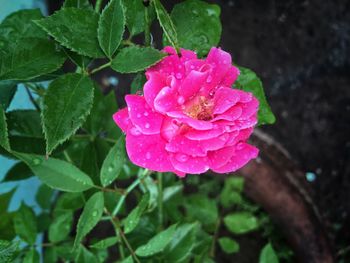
(189, 119)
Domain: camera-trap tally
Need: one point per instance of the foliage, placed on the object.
(72, 145)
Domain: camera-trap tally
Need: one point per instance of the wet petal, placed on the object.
(153, 86)
(189, 164)
(121, 118)
(224, 99)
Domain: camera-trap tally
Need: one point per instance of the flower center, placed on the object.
(200, 109)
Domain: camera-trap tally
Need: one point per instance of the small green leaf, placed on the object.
(32, 256)
(157, 243)
(197, 24)
(105, 243)
(241, 222)
(67, 103)
(30, 58)
(56, 173)
(249, 81)
(7, 92)
(135, 16)
(228, 245)
(26, 123)
(111, 27)
(83, 255)
(90, 217)
(166, 23)
(43, 196)
(133, 218)
(128, 260)
(231, 194)
(77, 3)
(268, 255)
(75, 29)
(133, 59)
(60, 227)
(67, 202)
(4, 140)
(25, 224)
(7, 251)
(171, 191)
(113, 164)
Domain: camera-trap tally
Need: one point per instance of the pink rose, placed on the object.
(189, 119)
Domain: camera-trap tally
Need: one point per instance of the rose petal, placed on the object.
(166, 100)
(194, 123)
(220, 157)
(230, 115)
(121, 118)
(224, 99)
(189, 164)
(152, 87)
(249, 108)
(192, 84)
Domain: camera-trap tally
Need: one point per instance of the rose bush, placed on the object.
(189, 119)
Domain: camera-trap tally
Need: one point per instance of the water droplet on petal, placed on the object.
(180, 100)
(134, 131)
(209, 79)
(148, 155)
(147, 125)
(178, 75)
(138, 115)
(181, 157)
(145, 113)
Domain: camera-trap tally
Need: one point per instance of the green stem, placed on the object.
(147, 27)
(115, 190)
(66, 155)
(100, 68)
(160, 199)
(98, 6)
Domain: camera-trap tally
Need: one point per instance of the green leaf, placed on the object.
(44, 221)
(30, 58)
(50, 255)
(60, 227)
(7, 251)
(5, 199)
(77, 59)
(249, 81)
(180, 247)
(133, 218)
(111, 27)
(26, 123)
(4, 140)
(231, 194)
(75, 29)
(56, 173)
(67, 102)
(133, 59)
(241, 222)
(138, 83)
(171, 191)
(157, 243)
(7, 92)
(20, 25)
(128, 260)
(43, 196)
(77, 3)
(166, 23)
(89, 163)
(67, 202)
(228, 245)
(105, 243)
(135, 16)
(90, 217)
(268, 255)
(32, 256)
(113, 164)
(197, 24)
(25, 224)
(83, 255)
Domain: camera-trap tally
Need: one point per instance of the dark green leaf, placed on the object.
(197, 24)
(7, 92)
(133, 218)
(83, 255)
(5, 199)
(25, 123)
(77, 3)
(89, 163)
(7, 251)
(90, 217)
(44, 221)
(111, 27)
(77, 59)
(105, 243)
(171, 191)
(128, 260)
(135, 16)
(231, 194)
(113, 164)
(50, 255)
(43, 196)
(133, 59)
(67, 102)
(7, 230)
(32, 256)
(166, 23)
(268, 255)
(60, 227)
(4, 140)
(68, 201)
(138, 83)
(157, 243)
(228, 245)
(25, 224)
(30, 58)
(56, 173)
(75, 29)
(241, 222)
(249, 81)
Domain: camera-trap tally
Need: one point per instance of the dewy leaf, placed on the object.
(111, 27)
(30, 58)
(241, 222)
(157, 243)
(4, 140)
(90, 217)
(7, 251)
(56, 173)
(25, 224)
(197, 24)
(134, 59)
(228, 245)
(60, 227)
(113, 164)
(7, 92)
(268, 255)
(67, 102)
(20, 25)
(105, 243)
(75, 29)
(133, 218)
(249, 81)
(166, 23)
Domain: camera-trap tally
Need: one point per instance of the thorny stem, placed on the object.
(100, 68)
(160, 199)
(98, 6)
